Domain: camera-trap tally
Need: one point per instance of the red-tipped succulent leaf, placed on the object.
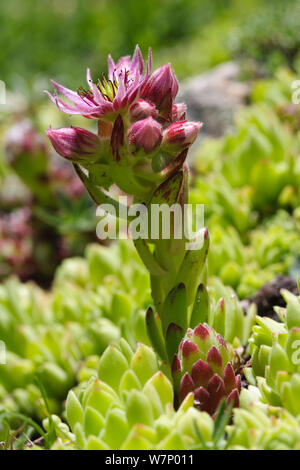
(203, 366)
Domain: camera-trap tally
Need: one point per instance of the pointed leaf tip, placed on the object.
(216, 389)
(234, 398)
(175, 308)
(176, 364)
(149, 313)
(222, 341)
(214, 357)
(201, 373)
(238, 382)
(174, 335)
(201, 399)
(189, 348)
(201, 331)
(221, 303)
(186, 386)
(229, 378)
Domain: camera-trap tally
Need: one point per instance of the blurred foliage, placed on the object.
(271, 39)
(249, 181)
(61, 39)
(58, 336)
(45, 212)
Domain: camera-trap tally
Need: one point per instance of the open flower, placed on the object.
(133, 108)
(106, 98)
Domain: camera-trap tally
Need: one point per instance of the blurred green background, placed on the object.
(55, 38)
(59, 39)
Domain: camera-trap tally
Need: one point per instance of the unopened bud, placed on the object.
(142, 109)
(180, 135)
(74, 143)
(161, 89)
(146, 134)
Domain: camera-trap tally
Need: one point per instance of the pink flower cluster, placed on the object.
(135, 110)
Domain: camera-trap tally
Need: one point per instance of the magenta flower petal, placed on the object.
(137, 61)
(161, 89)
(111, 67)
(107, 99)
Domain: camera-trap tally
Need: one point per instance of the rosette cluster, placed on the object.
(203, 366)
(129, 406)
(257, 428)
(275, 351)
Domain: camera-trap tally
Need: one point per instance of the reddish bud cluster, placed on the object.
(203, 367)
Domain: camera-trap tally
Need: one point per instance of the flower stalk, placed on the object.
(141, 147)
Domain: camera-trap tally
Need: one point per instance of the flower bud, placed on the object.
(180, 134)
(161, 89)
(142, 109)
(74, 143)
(178, 112)
(146, 134)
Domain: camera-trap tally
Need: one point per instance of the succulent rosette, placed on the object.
(58, 336)
(129, 406)
(204, 366)
(275, 356)
(223, 311)
(263, 429)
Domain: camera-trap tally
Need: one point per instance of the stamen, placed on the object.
(84, 93)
